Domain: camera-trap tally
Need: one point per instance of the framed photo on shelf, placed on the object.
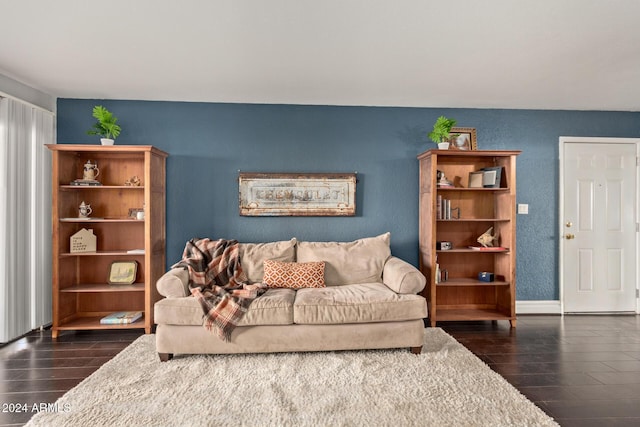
(122, 272)
(463, 139)
(492, 177)
(476, 179)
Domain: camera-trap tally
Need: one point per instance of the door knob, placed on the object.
(569, 236)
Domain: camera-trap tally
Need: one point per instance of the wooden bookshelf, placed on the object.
(462, 296)
(81, 292)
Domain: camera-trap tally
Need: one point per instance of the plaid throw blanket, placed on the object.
(216, 279)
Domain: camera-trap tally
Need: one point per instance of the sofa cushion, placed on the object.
(361, 303)
(294, 275)
(360, 261)
(252, 256)
(274, 307)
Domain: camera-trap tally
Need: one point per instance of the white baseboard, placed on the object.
(538, 307)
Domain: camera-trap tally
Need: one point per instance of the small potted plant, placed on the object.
(441, 132)
(105, 126)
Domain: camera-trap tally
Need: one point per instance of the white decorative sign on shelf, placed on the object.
(83, 241)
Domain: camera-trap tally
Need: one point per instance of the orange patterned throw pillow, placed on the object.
(294, 275)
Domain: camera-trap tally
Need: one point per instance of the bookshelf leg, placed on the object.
(416, 350)
(513, 323)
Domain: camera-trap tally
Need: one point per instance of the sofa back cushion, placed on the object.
(347, 263)
(253, 255)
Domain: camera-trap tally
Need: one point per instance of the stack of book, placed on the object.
(443, 208)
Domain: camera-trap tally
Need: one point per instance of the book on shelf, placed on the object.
(121, 318)
(84, 182)
(135, 251)
(443, 209)
(488, 249)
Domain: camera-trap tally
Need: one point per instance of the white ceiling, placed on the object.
(540, 54)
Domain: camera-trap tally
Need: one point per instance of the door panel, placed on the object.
(599, 241)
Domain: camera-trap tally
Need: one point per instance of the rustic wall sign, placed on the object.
(291, 194)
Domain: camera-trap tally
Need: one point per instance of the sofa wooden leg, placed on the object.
(164, 357)
(416, 350)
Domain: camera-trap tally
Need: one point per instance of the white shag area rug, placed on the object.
(446, 385)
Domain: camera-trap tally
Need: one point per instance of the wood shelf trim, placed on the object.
(474, 220)
(136, 287)
(472, 251)
(494, 190)
(100, 187)
(78, 220)
(93, 322)
(450, 314)
(101, 253)
(470, 282)
(127, 149)
(472, 153)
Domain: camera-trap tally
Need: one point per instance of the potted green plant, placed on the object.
(441, 132)
(105, 126)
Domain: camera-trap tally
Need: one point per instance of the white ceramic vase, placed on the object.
(443, 145)
(106, 141)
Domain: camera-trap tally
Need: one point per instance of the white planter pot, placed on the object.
(443, 145)
(106, 141)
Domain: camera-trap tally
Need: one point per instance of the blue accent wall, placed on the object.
(209, 143)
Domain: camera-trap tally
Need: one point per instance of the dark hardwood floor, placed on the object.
(36, 369)
(581, 370)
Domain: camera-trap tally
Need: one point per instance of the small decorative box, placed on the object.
(485, 276)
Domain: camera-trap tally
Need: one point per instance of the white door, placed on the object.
(598, 233)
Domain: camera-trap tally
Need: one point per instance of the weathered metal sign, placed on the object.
(289, 194)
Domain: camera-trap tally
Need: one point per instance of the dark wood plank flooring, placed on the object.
(581, 370)
(36, 369)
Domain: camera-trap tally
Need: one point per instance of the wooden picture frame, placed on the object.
(463, 139)
(122, 272)
(475, 179)
(292, 194)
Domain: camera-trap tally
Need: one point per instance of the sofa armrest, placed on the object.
(402, 277)
(174, 283)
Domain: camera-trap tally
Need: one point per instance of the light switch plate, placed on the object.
(523, 209)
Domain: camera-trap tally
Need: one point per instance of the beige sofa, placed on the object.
(370, 302)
